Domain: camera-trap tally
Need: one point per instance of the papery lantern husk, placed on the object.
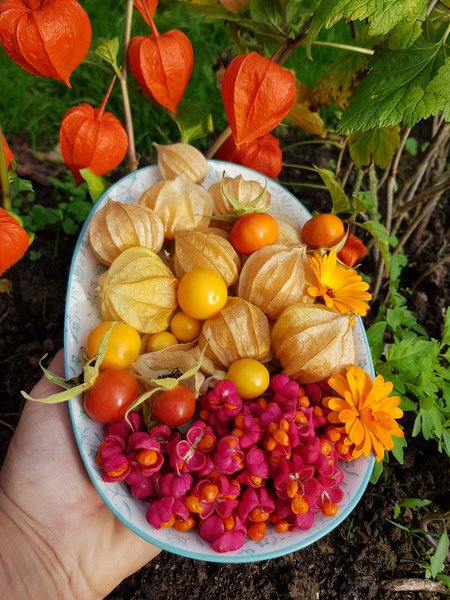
(14, 240)
(182, 357)
(180, 204)
(209, 249)
(91, 138)
(139, 289)
(48, 39)
(311, 342)
(119, 226)
(162, 64)
(288, 230)
(263, 154)
(240, 330)
(240, 189)
(273, 278)
(151, 8)
(175, 159)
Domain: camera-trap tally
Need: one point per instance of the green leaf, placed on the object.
(339, 81)
(375, 337)
(408, 357)
(427, 424)
(441, 82)
(395, 90)
(338, 196)
(108, 50)
(382, 15)
(285, 17)
(193, 121)
(446, 437)
(377, 470)
(417, 425)
(380, 235)
(376, 144)
(404, 34)
(96, 185)
(438, 561)
(362, 202)
(399, 445)
(446, 337)
(407, 405)
(414, 503)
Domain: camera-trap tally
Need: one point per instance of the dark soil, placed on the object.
(358, 560)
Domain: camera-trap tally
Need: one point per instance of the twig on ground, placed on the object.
(413, 585)
(5, 424)
(434, 267)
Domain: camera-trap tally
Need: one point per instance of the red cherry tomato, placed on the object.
(252, 232)
(110, 396)
(173, 407)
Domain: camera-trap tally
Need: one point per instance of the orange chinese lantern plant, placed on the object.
(263, 154)
(257, 95)
(14, 240)
(145, 6)
(49, 38)
(162, 64)
(9, 156)
(351, 251)
(91, 138)
(234, 5)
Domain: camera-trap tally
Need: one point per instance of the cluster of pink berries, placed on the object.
(239, 467)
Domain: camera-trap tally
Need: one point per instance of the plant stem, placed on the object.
(150, 19)
(5, 187)
(224, 135)
(278, 51)
(308, 142)
(313, 186)
(132, 161)
(359, 49)
(343, 148)
(303, 167)
(358, 181)
(431, 6)
(106, 98)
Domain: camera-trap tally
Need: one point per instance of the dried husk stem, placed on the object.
(311, 342)
(174, 159)
(241, 330)
(180, 204)
(209, 249)
(273, 278)
(139, 289)
(119, 226)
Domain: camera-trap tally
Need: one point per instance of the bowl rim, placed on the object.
(216, 557)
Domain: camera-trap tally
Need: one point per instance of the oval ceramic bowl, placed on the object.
(83, 313)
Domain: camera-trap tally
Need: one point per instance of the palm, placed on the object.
(45, 478)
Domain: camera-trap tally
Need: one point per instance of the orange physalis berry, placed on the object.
(228, 522)
(14, 240)
(147, 458)
(258, 515)
(162, 64)
(291, 488)
(263, 154)
(47, 38)
(299, 506)
(192, 503)
(282, 526)
(257, 94)
(209, 492)
(329, 509)
(257, 531)
(117, 472)
(184, 525)
(91, 138)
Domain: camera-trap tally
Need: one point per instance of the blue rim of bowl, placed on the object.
(218, 558)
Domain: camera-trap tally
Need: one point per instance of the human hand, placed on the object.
(59, 539)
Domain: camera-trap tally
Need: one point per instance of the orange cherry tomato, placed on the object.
(323, 231)
(202, 293)
(123, 347)
(184, 327)
(252, 232)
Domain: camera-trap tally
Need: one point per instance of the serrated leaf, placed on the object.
(407, 357)
(414, 503)
(395, 90)
(380, 235)
(192, 121)
(446, 437)
(108, 50)
(407, 405)
(446, 337)
(404, 34)
(376, 144)
(301, 113)
(382, 15)
(337, 193)
(362, 202)
(427, 424)
(96, 185)
(437, 563)
(375, 337)
(417, 425)
(339, 81)
(377, 470)
(398, 448)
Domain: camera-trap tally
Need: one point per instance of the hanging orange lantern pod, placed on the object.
(145, 7)
(257, 95)
(351, 251)
(234, 5)
(263, 154)
(49, 38)
(162, 64)
(15, 240)
(9, 156)
(92, 138)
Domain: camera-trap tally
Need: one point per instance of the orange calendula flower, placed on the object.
(342, 289)
(366, 410)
